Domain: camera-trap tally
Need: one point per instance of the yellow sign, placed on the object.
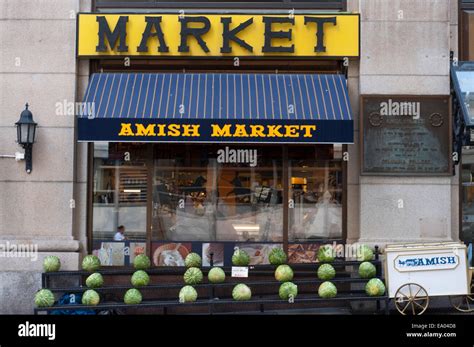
(217, 130)
(199, 35)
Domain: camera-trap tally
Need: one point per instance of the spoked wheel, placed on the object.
(411, 299)
(463, 303)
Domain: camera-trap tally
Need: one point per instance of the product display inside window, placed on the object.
(217, 193)
(212, 198)
(119, 202)
(315, 185)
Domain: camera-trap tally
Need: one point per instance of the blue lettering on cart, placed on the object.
(451, 260)
(415, 262)
(432, 261)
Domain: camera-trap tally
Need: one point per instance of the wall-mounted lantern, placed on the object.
(26, 131)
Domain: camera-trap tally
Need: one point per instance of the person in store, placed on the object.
(120, 234)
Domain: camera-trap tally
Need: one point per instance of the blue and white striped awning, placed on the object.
(290, 100)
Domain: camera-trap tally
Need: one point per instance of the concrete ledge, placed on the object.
(404, 84)
(34, 262)
(405, 10)
(53, 244)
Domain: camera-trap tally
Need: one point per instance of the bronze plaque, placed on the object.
(406, 135)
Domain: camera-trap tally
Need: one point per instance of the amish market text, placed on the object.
(217, 130)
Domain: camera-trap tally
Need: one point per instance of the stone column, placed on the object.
(405, 50)
(38, 66)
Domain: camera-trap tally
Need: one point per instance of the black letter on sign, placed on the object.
(269, 34)
(196, 32)
(120, 31)
(320, 48)
(153, 22)
(228, 35)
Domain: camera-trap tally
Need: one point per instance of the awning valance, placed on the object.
(216, 107)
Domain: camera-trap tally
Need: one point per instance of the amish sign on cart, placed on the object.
(430, 261)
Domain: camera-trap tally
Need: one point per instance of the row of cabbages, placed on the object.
(91, 263)
(193, 275)
(367, 270)
(283, 273)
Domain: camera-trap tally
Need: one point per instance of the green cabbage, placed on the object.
(375, 287)
(44, 298)
(241, 292)
(283, 273)
(365, 253)
(140, 278)
(367, 270)
(216, 275)
(90, 297)
(326, 254)
(327, 290)
(141, 262)
(51, 263)
(277, 256)
(193, 260)
(187, 294)
(240, 258)
(193, 275)
(90, 263)
(326, 272)
(132, 297)
(287, 290)
(95, 280)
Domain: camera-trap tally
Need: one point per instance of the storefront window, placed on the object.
(119, 202)
(467, 193)
(315, 191)
(209, 198)
(217, 193)
(466, 34)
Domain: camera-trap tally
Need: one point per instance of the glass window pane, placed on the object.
(467, 39)
(250, 198)
(467, 172)
(315, 190)
(24, 133)
(119, 201)
(217, 193)
(466, 84)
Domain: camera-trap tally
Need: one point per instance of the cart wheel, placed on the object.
(411, 298)
(463, 303)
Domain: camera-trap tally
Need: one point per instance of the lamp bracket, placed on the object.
(17, 156)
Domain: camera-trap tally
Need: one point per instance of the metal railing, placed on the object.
(215, 297)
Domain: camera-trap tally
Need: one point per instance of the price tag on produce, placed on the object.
(240, 271)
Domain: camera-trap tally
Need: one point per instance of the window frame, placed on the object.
(149, 204)
(335, 5)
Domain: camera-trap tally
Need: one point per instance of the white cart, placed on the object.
(415, 272)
